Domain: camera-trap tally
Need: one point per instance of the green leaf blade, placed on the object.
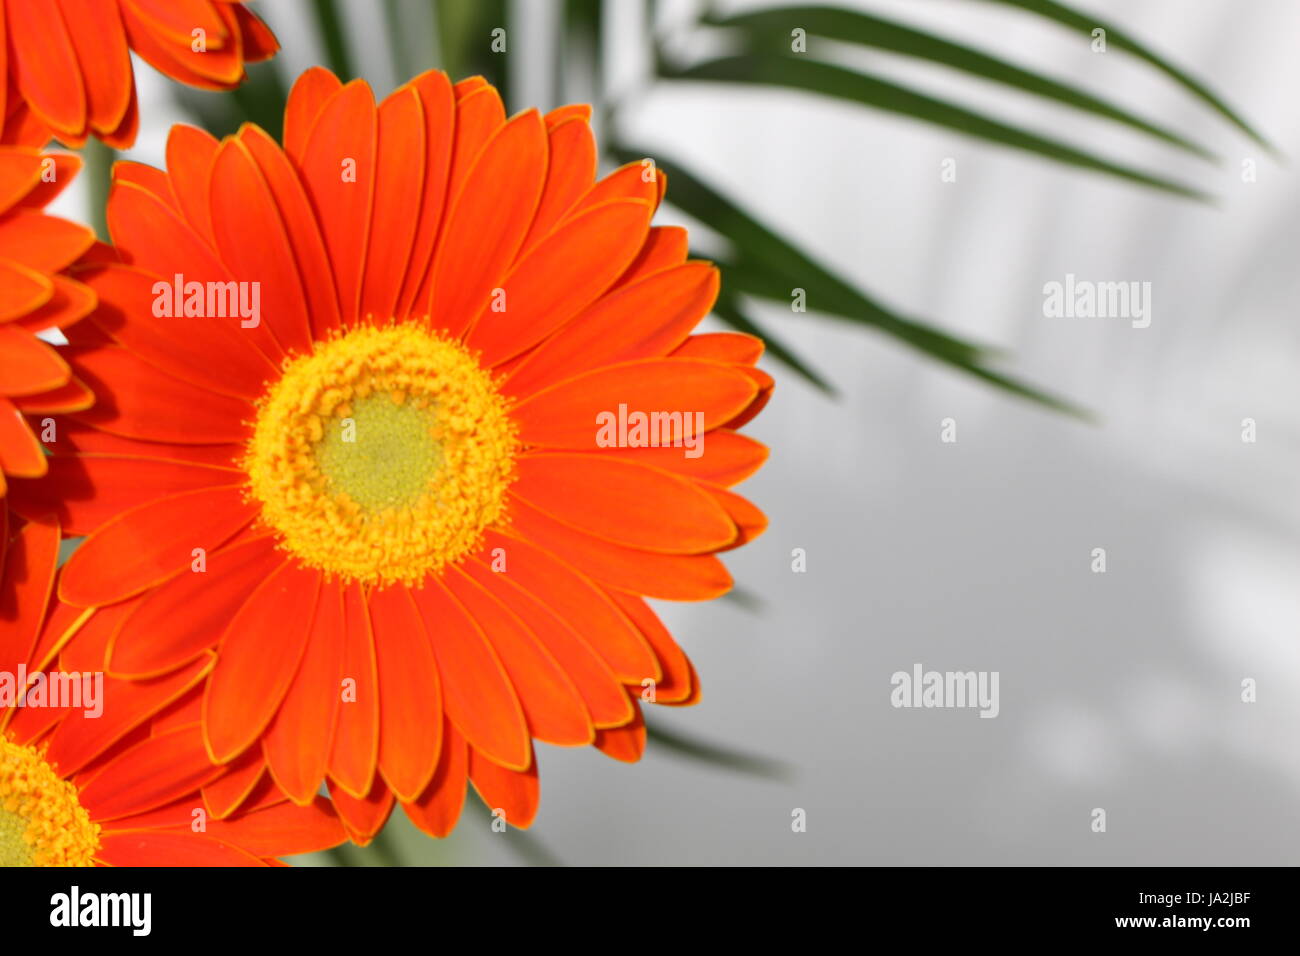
(1085, 24)
(800, 73)
(765, 29)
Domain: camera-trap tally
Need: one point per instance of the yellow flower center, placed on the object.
(41, 821)
(383, 455)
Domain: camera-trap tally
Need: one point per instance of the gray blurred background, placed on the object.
(1120, 690)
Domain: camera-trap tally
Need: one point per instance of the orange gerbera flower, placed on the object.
(35, 295)
(69, 61)
(420, 551)
(112, 772)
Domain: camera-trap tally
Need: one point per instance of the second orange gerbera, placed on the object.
(109, 772)
(68, 62)
(371, 422)
(36, 295)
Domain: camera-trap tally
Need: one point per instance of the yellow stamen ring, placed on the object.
(383, 455)
(41, 821)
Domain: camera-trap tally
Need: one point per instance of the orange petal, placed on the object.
(477, 692)
(22, 290)
(627, 743)
(750, 522)
(399, 183)
(27, 365)
(694, 697)
(674, 577)
(765, 385)
(735, 348)
(259, 42)
(303, 230)
(338, 172)
(65, 169)
(182, 347)
(28, 579)
(251, 238)
(150, 178)
(567, 415)
(151, 236)
(577, 602)
(70, 303)
(728, 458)
(410, 693)
(665, 247)
(355, 751)
(80, 738)
(570, 111)
(148, 642)
(99, 42)
(363, 818)
(297, 744)
(488, 221)
(85, 491)
(570, 174)
(45, 65)
(123, 136)
(20, 171)
(20, 453)
(510, 795)
(438, 808)
(642, 320)
(601, 692)
(188, 710)
(438, 107)
(479, 114)
(675, 686)
(258, 657)
(224, 795)
(174, 19)
(76, 439)
(146, 545)
(84, 645)
(22, 126)
(138, 401)
(72, 396)
(311, 91)
(638, 180)
(218, 67)
(561, 276)
(190, 155)
(624, 502)
(149, 774)
(169, 848)
(283, 829)
(45, 243)
(552, 705)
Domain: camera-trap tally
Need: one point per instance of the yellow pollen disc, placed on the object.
(383, 455)
(41, 821)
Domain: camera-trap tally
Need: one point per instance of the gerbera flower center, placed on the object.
(383, 455)
(41, 821)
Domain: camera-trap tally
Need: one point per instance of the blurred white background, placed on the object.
(1118, 690)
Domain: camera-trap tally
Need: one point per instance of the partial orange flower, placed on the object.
(69, 70)
(413, 458)
(108, 772)
(36, 295)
